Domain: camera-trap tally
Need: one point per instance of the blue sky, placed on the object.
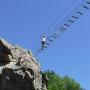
(22, 22)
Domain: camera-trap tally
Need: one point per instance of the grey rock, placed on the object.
(19, 69)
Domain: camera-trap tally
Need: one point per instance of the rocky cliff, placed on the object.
(19, 70)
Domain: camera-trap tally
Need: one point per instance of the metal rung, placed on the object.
(80, 13)
(50, 40)
(70, 21)
(35, 53)
(38, 50)
(74, 17)
(63, 28)
(47, 44)
(88, 2)
(67, 24)
(56, 35)
(53, 36)
(85, 7)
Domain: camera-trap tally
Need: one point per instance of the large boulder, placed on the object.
(19, 70)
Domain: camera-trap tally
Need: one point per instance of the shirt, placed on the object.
(44, 39)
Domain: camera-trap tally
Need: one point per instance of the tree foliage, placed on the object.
(58, 83)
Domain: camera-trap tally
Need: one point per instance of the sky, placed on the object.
(22, 22)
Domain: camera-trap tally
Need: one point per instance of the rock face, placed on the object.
(19, 70)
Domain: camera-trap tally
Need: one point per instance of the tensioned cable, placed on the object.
(55, 21)
(84, 7)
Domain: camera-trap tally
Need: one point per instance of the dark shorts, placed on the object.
(43, 42)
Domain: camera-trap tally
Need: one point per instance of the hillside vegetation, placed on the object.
(56, 82)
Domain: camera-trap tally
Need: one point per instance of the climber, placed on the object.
(43, 42)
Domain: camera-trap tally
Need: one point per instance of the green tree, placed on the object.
(61, 83)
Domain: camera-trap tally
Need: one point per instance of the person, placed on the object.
(43, 42)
